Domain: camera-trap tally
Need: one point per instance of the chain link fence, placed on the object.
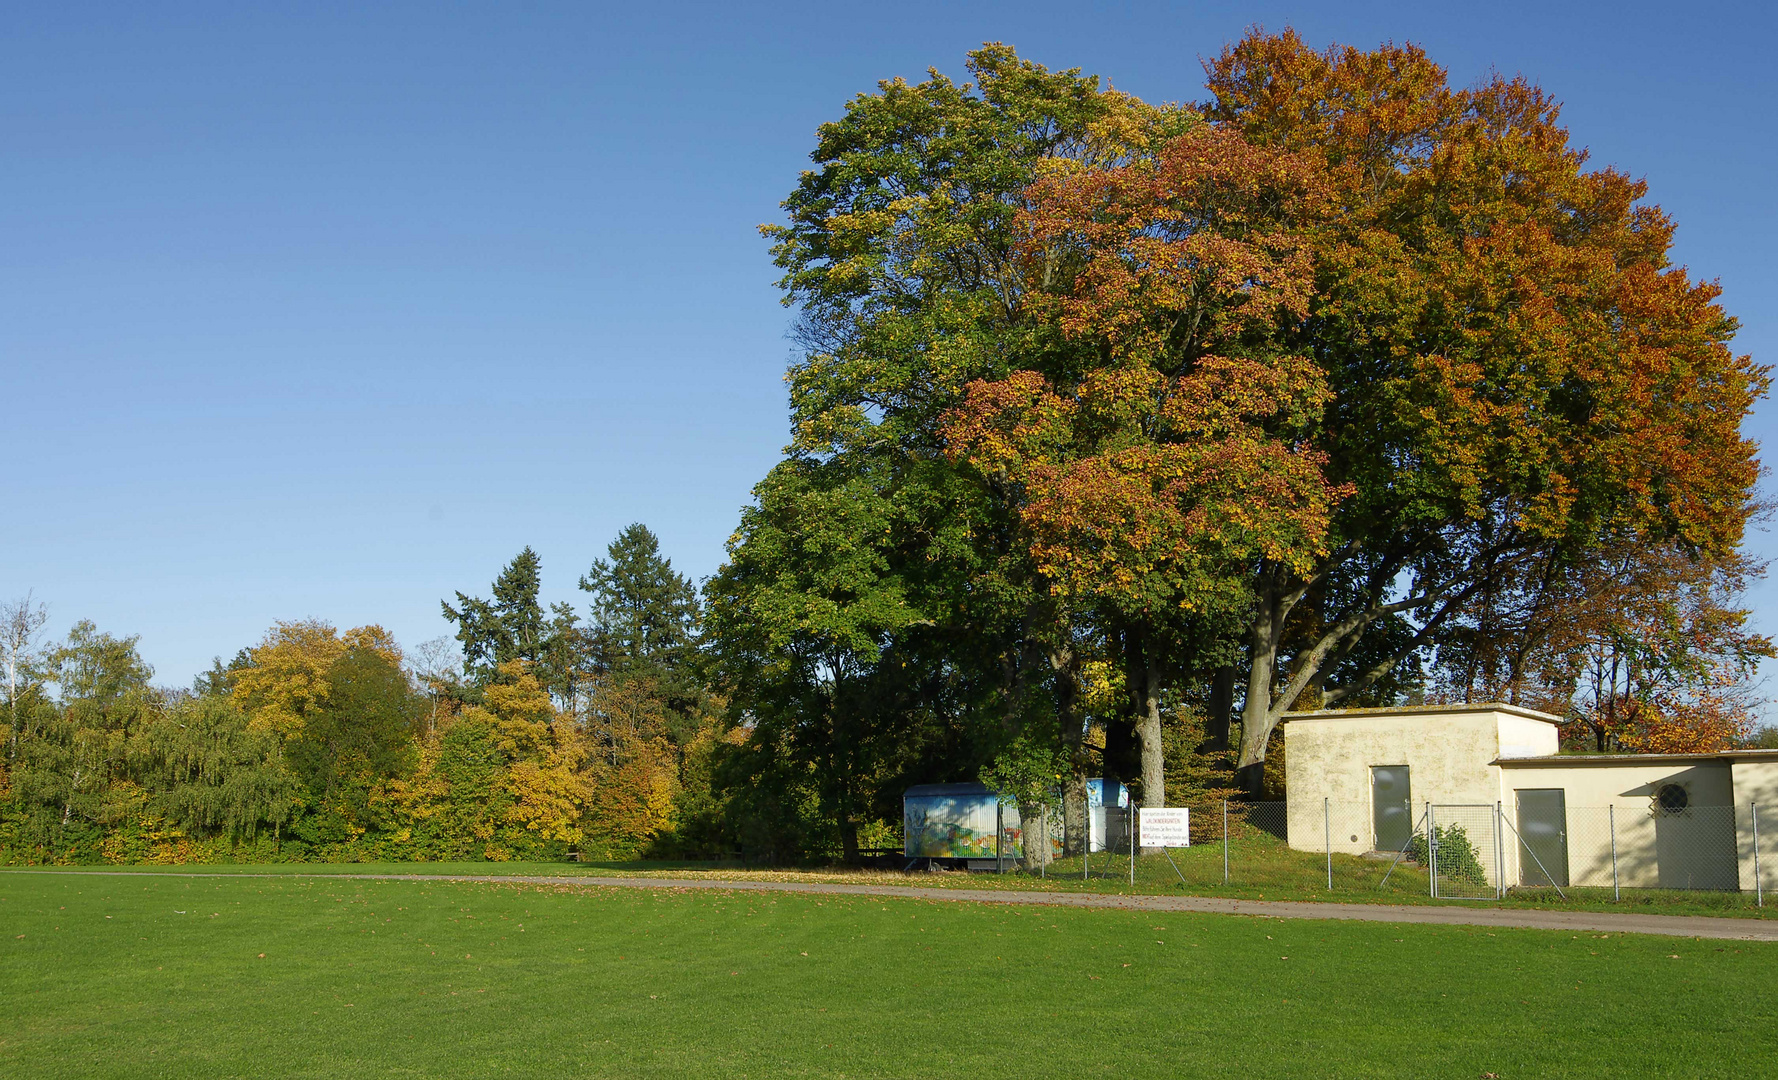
(1472, 851)
(1697, 848)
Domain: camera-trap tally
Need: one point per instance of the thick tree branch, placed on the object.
(1454, 591)
(1388, 664)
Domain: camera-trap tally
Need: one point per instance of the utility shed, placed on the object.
(1376, 764)
(1678, 821)
(1361, 780)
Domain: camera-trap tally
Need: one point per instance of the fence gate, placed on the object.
(1463, 851)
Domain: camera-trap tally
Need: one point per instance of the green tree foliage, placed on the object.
(95, 670)
(512, 625)
(362, 733)
(212, 771)
(802, 612)
(72, 774)
(21, 621)
(872, 567)
(646, 618)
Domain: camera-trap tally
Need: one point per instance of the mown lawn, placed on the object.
(148, 975)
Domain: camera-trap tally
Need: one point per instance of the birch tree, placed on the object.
(21, 621)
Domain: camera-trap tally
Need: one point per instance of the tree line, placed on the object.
(1119, 432)
(539, 735)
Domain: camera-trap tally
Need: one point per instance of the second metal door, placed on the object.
(1543, 837)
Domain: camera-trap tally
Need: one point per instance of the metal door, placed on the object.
(1392, 815)
(1543, 837)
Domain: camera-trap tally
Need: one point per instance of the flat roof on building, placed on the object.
(1422, 710)
(1726, 757)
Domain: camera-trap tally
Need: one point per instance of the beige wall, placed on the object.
(1756, 784)
(1694, 849)
(1448, 753)
(1625, 784)
(1521, 736)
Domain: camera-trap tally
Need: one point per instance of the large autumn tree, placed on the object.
(1514, 375)
(1518, 371)
(1294, 379)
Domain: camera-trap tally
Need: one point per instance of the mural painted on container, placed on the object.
(960, 825)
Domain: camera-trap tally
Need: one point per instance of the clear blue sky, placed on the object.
(328, 310)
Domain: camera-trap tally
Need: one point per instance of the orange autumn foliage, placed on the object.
(1156, 478)
(1169, 258)
(1113, 511)
(1524, 348)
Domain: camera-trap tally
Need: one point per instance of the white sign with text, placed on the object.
(1167, 826)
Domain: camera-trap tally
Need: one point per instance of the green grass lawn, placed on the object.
(149, 975)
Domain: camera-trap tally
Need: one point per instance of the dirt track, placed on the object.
(1691, 926)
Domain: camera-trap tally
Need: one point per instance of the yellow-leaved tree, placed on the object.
(547, 749)
(633, 774)
(343, 715)
(288, 676)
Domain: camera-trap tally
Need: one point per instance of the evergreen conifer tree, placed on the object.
(645, 617)
(511, 626)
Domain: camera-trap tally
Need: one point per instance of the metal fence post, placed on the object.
(1225, 841)
(1611, 821)
(1499, 854)
(999, 836)
(1759, 890)
(1133, 823)
(1327, 837)
(1431, 853)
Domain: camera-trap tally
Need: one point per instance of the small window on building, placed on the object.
(1671, 799)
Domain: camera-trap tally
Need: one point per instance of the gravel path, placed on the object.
(1691, 926)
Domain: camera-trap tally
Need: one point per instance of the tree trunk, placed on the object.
(1222, 709)
(849, 836)
(1075, 822)
(1119, 750)
(1256, 711)
(1142, 678)
(1034, 838)
(1154, 764)
(837, 784)
(848, 815)
(1075, 812)
(1148, 733)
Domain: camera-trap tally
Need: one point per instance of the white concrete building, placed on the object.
(1363, 780)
